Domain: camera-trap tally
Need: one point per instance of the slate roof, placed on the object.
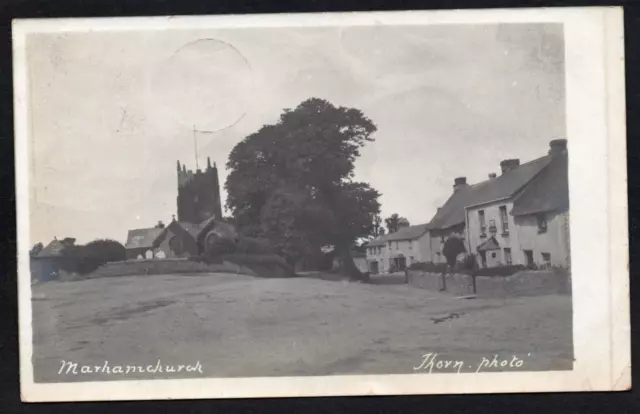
(404, 233)
(142, 238)
(491, 244)
(548, 191)
(53, 249)
(452, 213)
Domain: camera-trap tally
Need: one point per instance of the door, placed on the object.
(528, 254)
(483, 256)
(401, 263)
(374, 268)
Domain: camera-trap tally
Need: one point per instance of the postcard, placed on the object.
(379, 203)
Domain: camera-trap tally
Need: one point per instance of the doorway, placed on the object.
(528, 255)
(483, 257)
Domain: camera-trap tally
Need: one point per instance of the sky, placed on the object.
(111, 113)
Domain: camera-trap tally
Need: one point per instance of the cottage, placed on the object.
(398, 250)
(46, 264)
(518, 217)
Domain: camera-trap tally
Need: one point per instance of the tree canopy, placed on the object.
(453, 246)
(86, 258)
(36, 249)
(395, 222)
(293, 181)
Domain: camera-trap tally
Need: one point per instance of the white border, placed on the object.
(597, 173)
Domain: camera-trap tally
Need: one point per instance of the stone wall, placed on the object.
(525, 283)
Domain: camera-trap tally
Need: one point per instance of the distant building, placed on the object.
(398, 250)
(47, 263)
(177, 239)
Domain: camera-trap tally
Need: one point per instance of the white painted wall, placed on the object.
(554, 241)
(523, 235)
(416, 250)
(507, 239)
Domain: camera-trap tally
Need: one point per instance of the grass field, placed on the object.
(236, 325)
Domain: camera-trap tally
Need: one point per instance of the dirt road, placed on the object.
(234, 325)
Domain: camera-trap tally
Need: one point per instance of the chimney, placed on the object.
(558, 146)
(459, 183)
(492, 176)
(508, 165)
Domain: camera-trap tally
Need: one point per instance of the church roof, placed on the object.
(142, 238)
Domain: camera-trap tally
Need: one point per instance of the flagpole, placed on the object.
(195, 145)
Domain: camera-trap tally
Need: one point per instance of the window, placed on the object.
(507, 256)
(483, 224)
(397, 245)
(492, 226)
(504, 219)
(542, 223)
(410, 245)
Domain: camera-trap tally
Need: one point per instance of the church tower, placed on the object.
(198, 194)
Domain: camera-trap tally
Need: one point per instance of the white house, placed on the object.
(398, 250)
(518, 217)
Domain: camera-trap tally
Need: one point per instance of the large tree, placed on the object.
(293, 181)
(452, 248)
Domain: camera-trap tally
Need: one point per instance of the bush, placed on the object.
(470, 262)
(84, 259)
(221, 246)
(453, 246)
(251, 245)
(500, 271)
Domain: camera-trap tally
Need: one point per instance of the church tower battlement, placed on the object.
(198, 194)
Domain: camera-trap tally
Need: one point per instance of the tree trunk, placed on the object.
(348, 267)
(444, 281)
